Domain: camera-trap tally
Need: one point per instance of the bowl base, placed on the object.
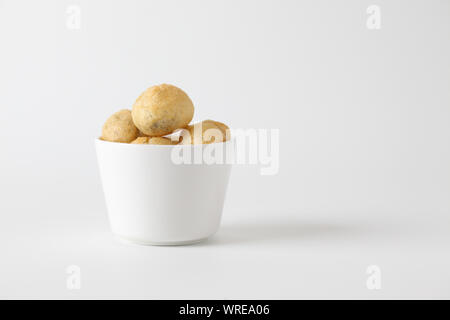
(129, 240)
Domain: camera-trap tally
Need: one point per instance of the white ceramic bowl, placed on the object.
(153, 201)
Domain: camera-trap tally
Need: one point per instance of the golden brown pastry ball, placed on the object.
(120, 127)
(154, 140)
(161, 109)
(203, 133)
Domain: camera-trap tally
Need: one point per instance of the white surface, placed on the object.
(364, 156)
(283, 257)
(152, 200)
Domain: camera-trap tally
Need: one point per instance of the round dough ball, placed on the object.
(120, 127)
(161, 109)
(204, 132)
(154, 140)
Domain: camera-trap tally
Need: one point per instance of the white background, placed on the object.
(364, 153)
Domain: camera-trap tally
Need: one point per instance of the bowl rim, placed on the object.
(166, 146)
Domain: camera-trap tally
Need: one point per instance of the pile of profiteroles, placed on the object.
(161, 116)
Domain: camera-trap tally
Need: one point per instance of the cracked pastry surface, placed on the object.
(205, 132)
